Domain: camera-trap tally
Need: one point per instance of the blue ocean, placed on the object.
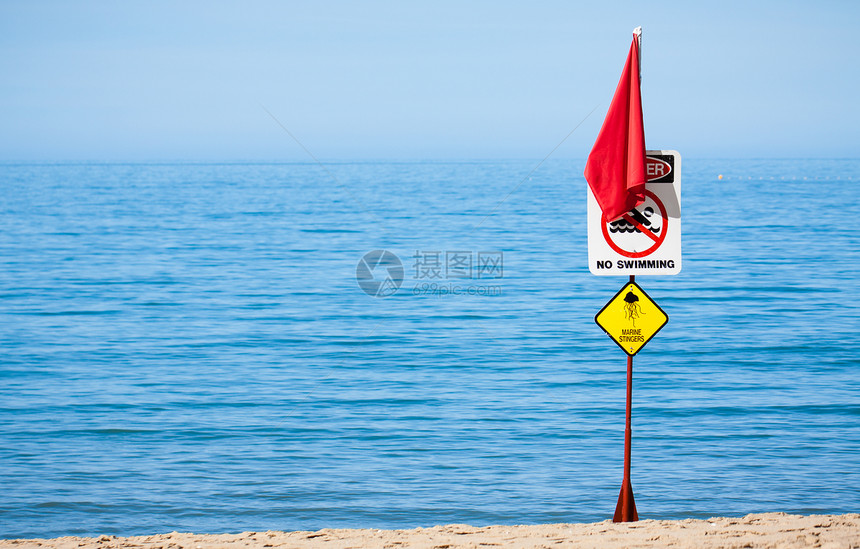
(199, 347)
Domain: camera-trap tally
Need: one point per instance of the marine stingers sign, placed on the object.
(647, 239)
(631, 318)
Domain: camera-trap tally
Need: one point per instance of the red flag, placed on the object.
(615, 169)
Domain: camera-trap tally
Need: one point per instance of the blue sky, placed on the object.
(419, 80)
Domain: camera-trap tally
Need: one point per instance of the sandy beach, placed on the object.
(767, 530)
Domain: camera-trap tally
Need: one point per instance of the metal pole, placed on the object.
(625, 510)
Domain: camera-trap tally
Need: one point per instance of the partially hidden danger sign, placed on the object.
(647, 239)
(631, 318)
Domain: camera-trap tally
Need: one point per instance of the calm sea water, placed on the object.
(185, 347)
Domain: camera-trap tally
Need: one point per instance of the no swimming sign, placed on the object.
(647, 239)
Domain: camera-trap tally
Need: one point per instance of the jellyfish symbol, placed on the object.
(632, 309)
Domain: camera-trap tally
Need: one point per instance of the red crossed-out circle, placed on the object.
(658, 239)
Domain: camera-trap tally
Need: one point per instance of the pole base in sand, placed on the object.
(625, 511)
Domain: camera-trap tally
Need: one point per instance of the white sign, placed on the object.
(647, 239)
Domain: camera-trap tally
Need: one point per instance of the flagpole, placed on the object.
(616, 174)
(625, 510)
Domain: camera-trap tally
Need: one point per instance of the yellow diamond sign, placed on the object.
(631, 318)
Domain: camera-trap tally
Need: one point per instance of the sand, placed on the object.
(759, 530)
